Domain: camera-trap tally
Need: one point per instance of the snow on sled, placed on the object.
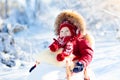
(47, 71)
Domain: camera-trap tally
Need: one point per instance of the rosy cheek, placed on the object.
(61, 34)
(68, 34)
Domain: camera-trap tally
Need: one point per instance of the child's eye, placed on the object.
(61, 31)
(67, 30)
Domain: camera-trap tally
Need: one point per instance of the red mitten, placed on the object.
(54, 46)
(60, 57)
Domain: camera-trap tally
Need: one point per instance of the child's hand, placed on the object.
(78, 67)
(54, 46)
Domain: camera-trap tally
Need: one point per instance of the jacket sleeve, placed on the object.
(86, 52)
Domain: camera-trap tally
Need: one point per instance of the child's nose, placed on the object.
(65, 33)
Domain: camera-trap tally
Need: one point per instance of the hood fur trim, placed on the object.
(75, 18)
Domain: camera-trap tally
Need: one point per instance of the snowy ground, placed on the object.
(106, 60)
(106, 63)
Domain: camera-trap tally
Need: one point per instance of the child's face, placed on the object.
(65, 32)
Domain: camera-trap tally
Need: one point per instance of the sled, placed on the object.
(52, 69)
(47, 71)
(50, 72)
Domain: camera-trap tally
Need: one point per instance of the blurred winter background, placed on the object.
(26, 28)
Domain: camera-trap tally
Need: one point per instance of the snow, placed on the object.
(107, 60)
(55, 73)
(37, 34)
(105, 64)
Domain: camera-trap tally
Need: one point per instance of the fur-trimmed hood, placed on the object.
(77, 20)
(72, 16)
